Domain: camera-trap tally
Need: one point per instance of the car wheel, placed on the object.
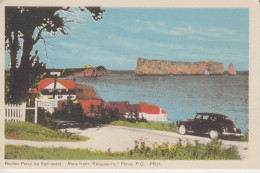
(213, 134)
(182, 130)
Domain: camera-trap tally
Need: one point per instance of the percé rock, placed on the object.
(158, 67)
(231, 69)
(91, 72)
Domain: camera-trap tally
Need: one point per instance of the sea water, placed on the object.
(181, 96)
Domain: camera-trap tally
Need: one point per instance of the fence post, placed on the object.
(23, 113)
(15, 112)
(36, 111)
(12, 112)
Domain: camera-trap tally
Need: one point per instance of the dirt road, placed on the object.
(117, 138)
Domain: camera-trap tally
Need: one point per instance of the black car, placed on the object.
(209, 123)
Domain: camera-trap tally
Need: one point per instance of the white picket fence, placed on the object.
(15, 112)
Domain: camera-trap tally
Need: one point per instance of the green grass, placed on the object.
(237, 138)
(170, 128)
(25, 152)
(147, 125)
(212, 151)
(35, 132)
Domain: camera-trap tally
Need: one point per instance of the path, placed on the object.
(117, 138)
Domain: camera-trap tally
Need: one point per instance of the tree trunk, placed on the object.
(13, 47)
(25, 65)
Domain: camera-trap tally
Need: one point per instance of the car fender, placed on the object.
(219, 129)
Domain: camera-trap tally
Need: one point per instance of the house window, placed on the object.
(59, 90)
(59, 97)
(50, 90)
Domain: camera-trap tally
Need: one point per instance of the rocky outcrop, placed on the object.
(158, 67)
(231, 69)
(86, 92)
(91, 72)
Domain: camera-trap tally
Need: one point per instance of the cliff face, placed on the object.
(91, 72)
(231, 69)
(157, 67)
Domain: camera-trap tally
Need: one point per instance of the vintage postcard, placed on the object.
(129, 84)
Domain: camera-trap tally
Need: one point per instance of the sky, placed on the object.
(174, 34)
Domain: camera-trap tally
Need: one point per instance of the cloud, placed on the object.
(165, 31)
(201, 38)
(169, 46)
(189, 31)
(141, 45)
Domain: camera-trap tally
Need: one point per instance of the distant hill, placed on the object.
(64, 72)
(80, 72)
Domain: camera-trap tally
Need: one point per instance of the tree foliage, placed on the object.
(25, 27)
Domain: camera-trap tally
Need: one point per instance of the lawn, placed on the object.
(147, 125)
(237, 138)
(212, 151)
(170, 128)
(35, 132)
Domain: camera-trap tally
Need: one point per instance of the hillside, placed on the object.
(87, 92)
(80, 72)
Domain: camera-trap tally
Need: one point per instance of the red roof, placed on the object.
(150, 109)
(135, 108)
(122, 106)
(86, 104)
(44, 83)
(69, 84)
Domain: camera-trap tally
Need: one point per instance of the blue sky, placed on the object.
(176, 34)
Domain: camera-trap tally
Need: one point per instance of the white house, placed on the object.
(152, 112)
(52, 89)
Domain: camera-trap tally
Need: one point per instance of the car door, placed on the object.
(205, 123)
(201, 123)
(196, 125)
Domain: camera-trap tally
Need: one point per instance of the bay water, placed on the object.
(181, 96)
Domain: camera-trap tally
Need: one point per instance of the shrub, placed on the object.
(46, 119)
(142, 120)
(29, 115)
(70, 111)
(212, 151)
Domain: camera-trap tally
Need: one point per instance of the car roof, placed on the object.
(212, 114)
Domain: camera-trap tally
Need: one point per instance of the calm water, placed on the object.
(181, 96)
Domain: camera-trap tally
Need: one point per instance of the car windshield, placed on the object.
(213, 118)
(201, 117)
(198, 117)
(205, 117)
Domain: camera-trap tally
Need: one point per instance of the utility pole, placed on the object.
(56, 74)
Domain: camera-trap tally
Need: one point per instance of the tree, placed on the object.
(37, 70)
(136, 115)
(25, 27)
